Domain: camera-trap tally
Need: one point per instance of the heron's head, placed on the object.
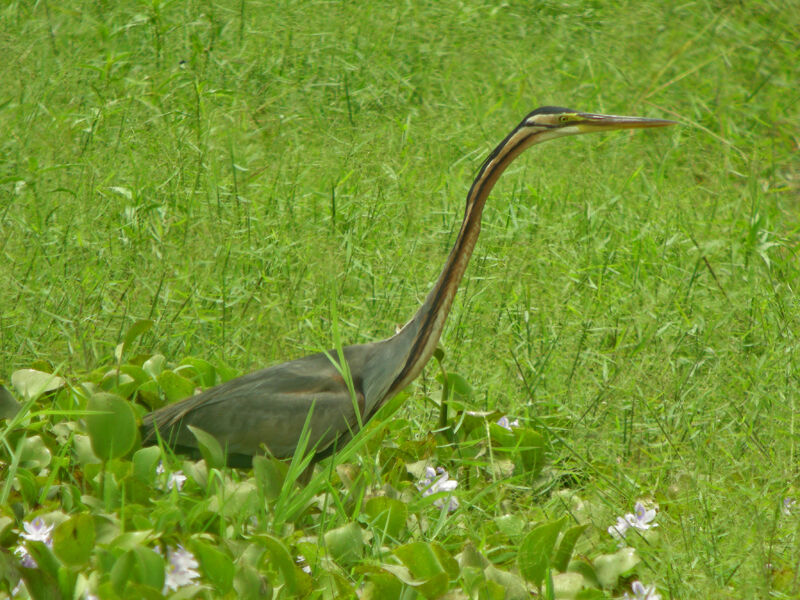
(549, 122)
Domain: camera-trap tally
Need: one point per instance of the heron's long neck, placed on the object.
(427, 324)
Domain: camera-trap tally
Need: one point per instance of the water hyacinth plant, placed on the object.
(34, 531)
(175, 479)
(181, 568)
(641, 518)
(435, 481)
(642, 592)
(505, 423)
(190, 191)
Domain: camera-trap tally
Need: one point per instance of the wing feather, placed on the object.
(267, 407)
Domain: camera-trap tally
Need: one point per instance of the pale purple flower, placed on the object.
(25, 559)
(35, 531)
(640, 592)
(506, 424)
(619, 530)
(181, 570)
(641, 519)
(38, 531)
(789, 505)
(435, 481)
(175, 479)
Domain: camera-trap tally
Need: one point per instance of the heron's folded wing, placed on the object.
(267, 407)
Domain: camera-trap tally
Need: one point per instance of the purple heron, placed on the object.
(267, 410)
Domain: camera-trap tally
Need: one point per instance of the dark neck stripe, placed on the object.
(477, 195)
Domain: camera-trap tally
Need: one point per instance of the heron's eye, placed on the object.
(564, 119)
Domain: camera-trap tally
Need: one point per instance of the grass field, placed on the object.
(247, 175)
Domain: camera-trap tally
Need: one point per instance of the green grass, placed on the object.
(230, 170)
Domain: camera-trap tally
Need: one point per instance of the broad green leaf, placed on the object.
(514, 587)
(149, 392)
(27, 485)
(387, 515)
(119, 383)
(427, 559)
(154, 365)
(145, 461)
(44, 557)
(591, 594)
(140, 591)
(66, 582)
(537, 549)
(34, 454)
(73, 540)
(175, 387)
(112, 426)
(565, 547)
(531, 450)
(138, 565)
(40, 584)
(430, 587)
(138, 374)
(524, 444)
(250, 585)
(206, 374)
(30, 384)
(122, 469)
(382, 586)
(235, 499)
(586, 569)
(217, 566)
(473, 582)
(224, 372)
(149, 567)
(278, 554)
(140, 327)
(49, 579)
(345, 544)
(9, 406)
(449, 564)
(197, 471)
(83, 450)
(128, 540)
(567, 586)
(609, 567)
(269, 474)
(505, 440)
(471, 557)
(209, 448)
(6, 523)
(459, 387)
(477, 420)
(513, 525)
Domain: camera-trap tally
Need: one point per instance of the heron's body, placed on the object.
(268, 408)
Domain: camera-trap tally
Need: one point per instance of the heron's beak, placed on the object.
(593, 122)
